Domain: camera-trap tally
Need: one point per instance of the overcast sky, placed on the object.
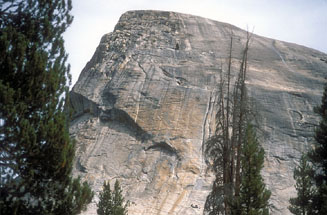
(298, 21)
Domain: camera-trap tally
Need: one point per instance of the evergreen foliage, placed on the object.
(318, 157)
(111, 201)
(36, 152)
(253, 198)
(303, 175)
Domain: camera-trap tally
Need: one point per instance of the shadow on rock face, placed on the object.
(121, 117)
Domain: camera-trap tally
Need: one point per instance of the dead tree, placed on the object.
(224, 148)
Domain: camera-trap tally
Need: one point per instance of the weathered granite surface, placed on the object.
(145, 103)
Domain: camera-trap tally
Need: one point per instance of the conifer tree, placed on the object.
(119, 207)
(303, 175)
(318, 156)
(36, 152)
(105, 204)
(111, 201)
(253, 198)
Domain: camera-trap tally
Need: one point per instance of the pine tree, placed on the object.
(303, 175)
(318, 156)
(36, 152)
(105, 204)
(111, 202)
(119, 207)
(253, 198)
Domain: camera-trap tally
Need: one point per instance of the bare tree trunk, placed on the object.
(231, 143)
(228, 186)
(225, 146)
(242, 113)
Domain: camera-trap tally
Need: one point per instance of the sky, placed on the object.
(302, 22)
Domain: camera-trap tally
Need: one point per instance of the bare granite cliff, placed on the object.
(144, 107)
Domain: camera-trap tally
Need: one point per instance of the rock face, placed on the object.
(144, 107)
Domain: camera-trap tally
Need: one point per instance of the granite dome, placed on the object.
(144, 106)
